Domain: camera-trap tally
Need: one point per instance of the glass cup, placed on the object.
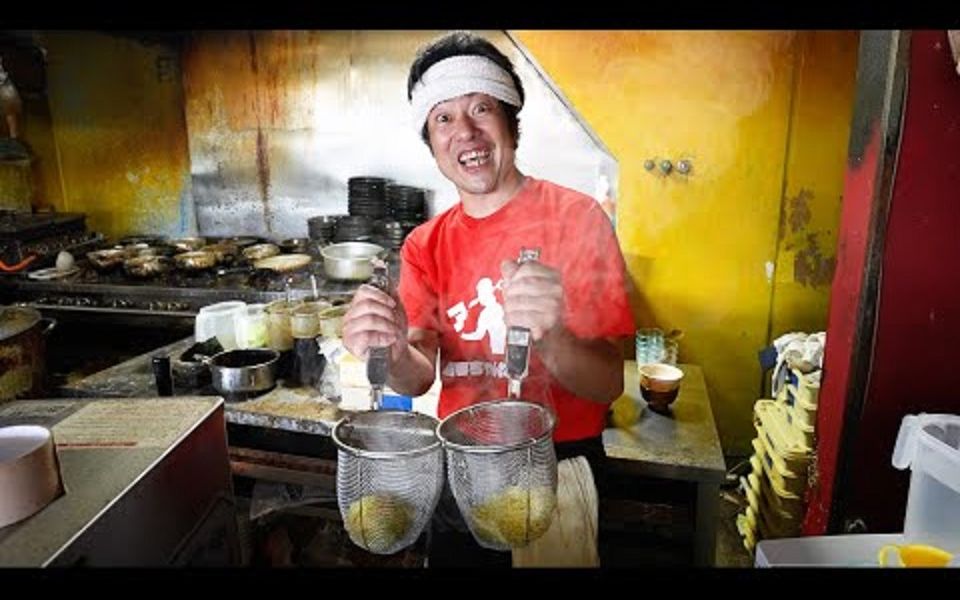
(649, 346)
(671, 352)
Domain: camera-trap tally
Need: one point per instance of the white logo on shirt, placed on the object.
(490, 323)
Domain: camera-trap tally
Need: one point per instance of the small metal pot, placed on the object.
(351, 261)
(23, 345)
(240, 374)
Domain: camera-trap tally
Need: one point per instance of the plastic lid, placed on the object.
(912, 427)
(16, 319)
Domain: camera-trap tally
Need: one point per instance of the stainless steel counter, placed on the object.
(147, 483)
(300, 410)
(681, 446)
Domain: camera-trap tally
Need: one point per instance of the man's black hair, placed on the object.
(462, 43)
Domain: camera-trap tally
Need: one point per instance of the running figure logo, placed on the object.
(490, 322)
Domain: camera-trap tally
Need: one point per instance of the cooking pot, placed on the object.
(351, 261)
(22, 352)
(240, 374)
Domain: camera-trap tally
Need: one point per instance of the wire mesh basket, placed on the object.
(502, 470)
(389, 477)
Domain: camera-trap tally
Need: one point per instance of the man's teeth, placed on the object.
(474, 158)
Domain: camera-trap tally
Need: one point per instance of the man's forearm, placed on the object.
(412, 374)
(591, 369)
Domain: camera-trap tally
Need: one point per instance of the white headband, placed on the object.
(456, 76)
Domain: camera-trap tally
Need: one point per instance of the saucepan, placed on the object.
(351, 261)
(240, 374)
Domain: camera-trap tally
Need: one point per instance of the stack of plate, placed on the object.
(406, 203)
(323, 228)
(354, 228)
(390, 234)
(366, 197)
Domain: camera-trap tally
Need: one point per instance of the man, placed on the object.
(465, 97)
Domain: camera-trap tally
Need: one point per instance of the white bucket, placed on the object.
(930, 446)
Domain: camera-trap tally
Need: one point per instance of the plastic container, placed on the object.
(778, 522)
(780, 499)
(929, 444)
(279, 335)
(217, 320)
(771, 494)
(305, 319)
(748, 530)
(789, 444)
(859, 550)
(803, 387)
(801, 410)
(251, 327)
(794, 482)
(331, 321)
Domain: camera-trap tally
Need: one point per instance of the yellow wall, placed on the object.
(702, 249)
(816, 159)
(119, 137)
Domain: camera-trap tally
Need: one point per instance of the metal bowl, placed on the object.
(350, 261)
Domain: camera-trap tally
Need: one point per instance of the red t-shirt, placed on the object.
(450, 282)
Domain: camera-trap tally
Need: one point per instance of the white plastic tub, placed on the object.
(929, 444)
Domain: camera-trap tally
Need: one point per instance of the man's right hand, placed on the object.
(375, 319)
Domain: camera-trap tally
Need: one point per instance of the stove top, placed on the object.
(173, 294)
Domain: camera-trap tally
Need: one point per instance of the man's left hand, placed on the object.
(532, 297)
